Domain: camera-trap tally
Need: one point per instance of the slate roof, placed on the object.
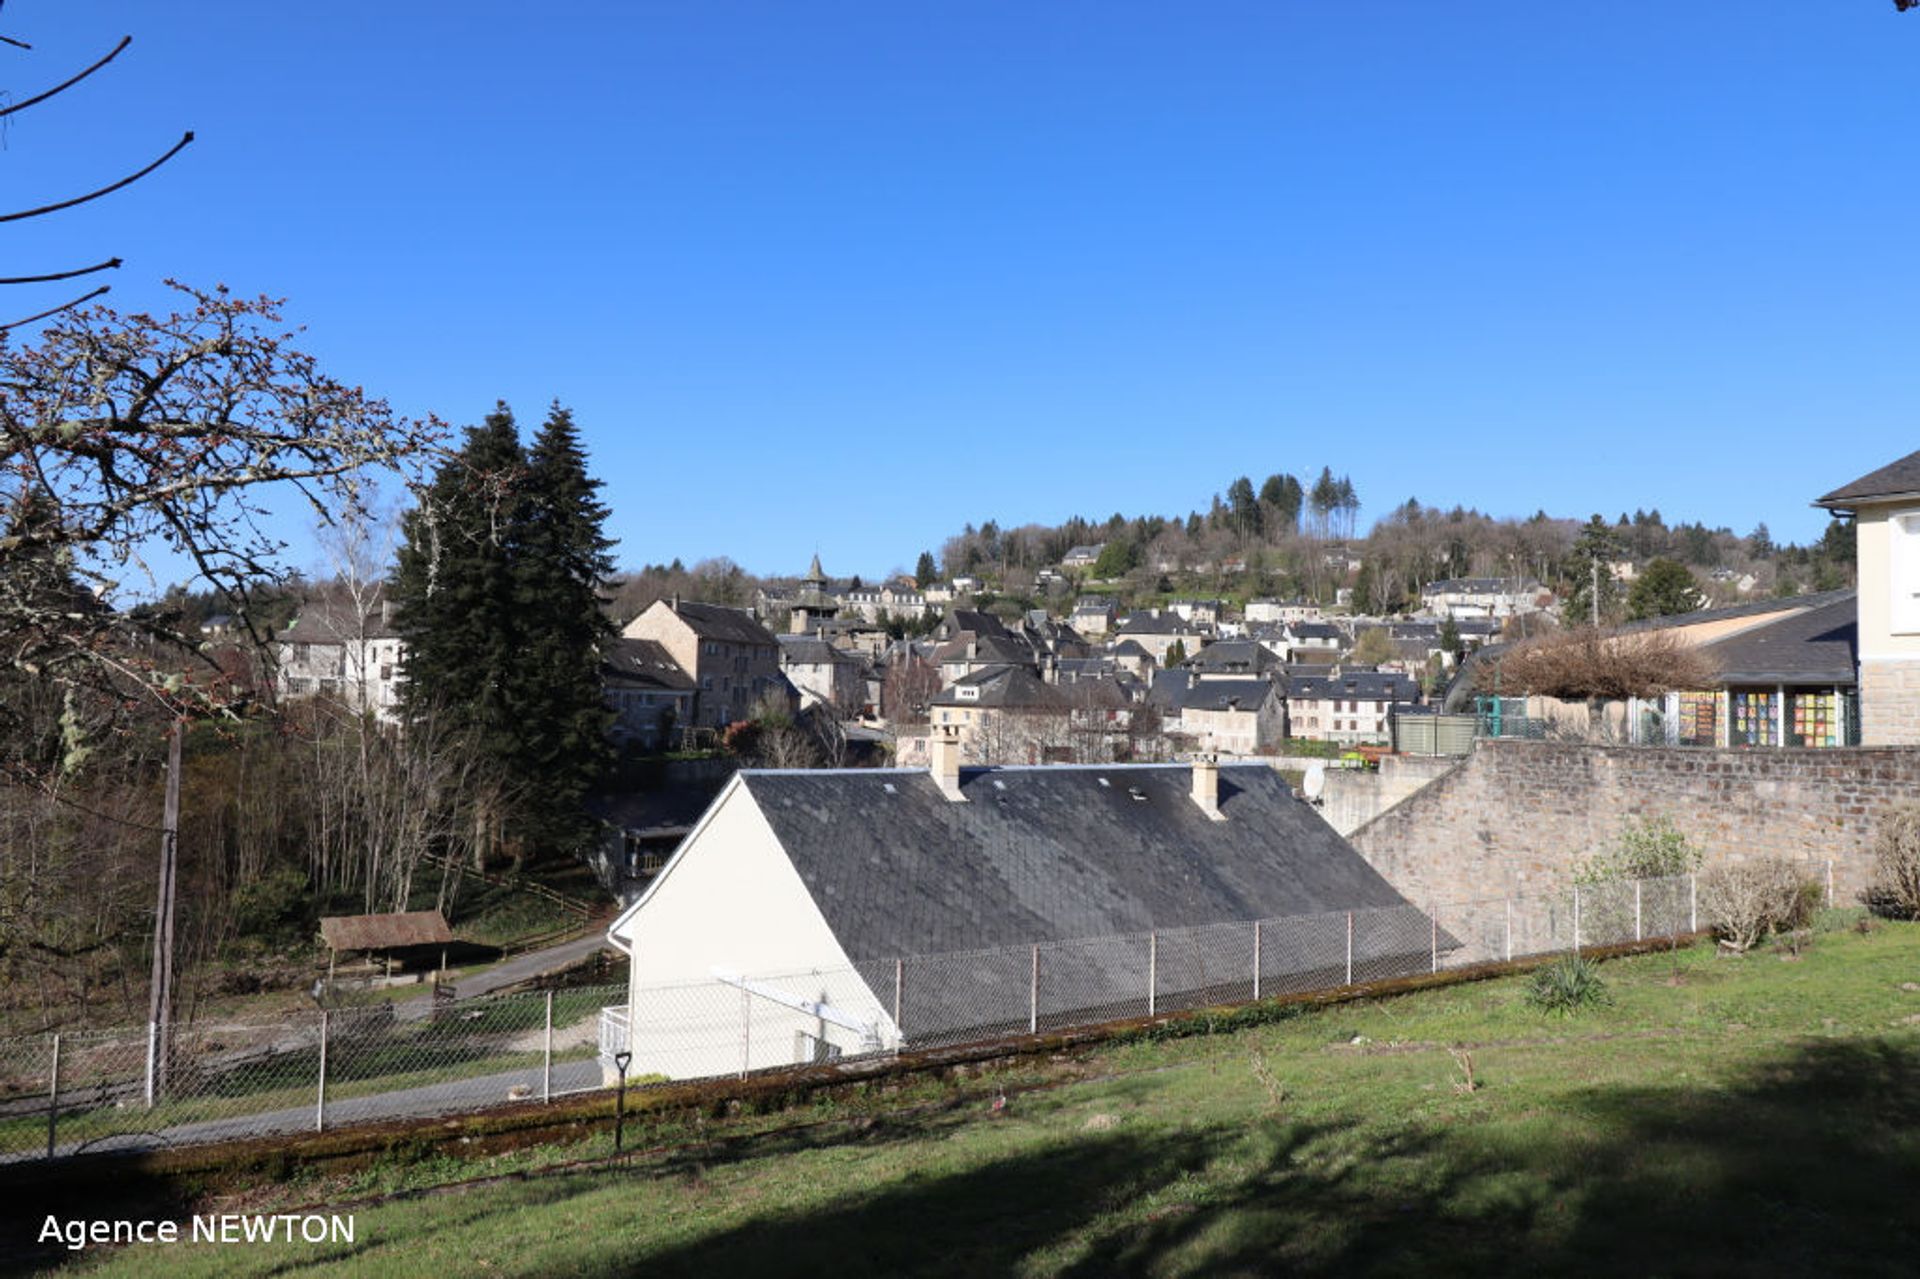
(1360, 686)
(1819, 646)
(717, 622)
(332, 621)
(1148, 624)
(645, 662)
(1896, 479)
(1315, 630)
(806, 650)
(1233, 656)
(1007, 687)
(1051, 853)
(1129, 648)
(1224, 695)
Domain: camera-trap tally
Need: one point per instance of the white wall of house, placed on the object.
(1887, 539)
(731, 899)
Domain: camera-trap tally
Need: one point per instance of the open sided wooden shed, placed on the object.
(401, 935)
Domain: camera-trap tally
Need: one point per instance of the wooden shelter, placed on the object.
(402, 934)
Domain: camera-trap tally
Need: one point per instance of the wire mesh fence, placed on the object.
(79, 1091)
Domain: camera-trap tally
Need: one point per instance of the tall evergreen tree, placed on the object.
(455, 588)
(925, 574)
(561, 560)
(497, 587)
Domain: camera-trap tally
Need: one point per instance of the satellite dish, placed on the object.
(1314, 782)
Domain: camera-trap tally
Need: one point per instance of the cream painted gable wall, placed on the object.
(1882, 579)
(731, 899)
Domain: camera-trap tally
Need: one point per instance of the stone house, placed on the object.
(648, 691)
(334, 649)
(733, 660)
(1347, 706)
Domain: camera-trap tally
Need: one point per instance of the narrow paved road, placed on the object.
(409, 1103)
(511, 972)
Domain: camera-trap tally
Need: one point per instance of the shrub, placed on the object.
(1650, 849)
(1568, 985)
(1745, 902)
(1895, 886)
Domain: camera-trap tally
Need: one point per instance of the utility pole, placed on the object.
(160, 1015)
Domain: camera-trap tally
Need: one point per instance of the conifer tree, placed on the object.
(562, 559)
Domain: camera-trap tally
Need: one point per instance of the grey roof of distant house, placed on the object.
(646, 662)
(1129, 648)
(1224, 694)
(718, 622)
(335, 621)
(1361, 686)
(1315, 630)
(1225, 656)
(1006, 687)
(1896, 479)
(806, 650)
(1052, 853)
(1756, 608)
(1148, 624)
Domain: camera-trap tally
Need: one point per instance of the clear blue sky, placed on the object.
(842, 277)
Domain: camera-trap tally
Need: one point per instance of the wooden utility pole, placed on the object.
(160, 1014)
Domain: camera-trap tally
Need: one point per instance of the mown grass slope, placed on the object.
(1722, 1116)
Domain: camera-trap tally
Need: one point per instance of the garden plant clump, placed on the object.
(1567, 986)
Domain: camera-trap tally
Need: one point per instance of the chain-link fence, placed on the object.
(126, 1089)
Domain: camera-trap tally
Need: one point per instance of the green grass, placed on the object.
(1728, 1116)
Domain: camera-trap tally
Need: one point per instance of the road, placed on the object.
(408, 1103)
(511, 972)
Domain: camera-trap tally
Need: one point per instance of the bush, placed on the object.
(1895, 886)
(1744, 902)
(1650, 849)
(1568, 985)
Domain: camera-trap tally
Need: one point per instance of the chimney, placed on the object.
(1206, 785)
(945, 749)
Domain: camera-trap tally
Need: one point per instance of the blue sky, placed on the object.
(842, 277)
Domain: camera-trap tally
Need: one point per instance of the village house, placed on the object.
(823, 674)
(1203, 613)
(1234, 659)
(334, 649)
(649, 694)
(1228, 715)
(1483, 597)
(821, 913)
(1885, 506)
(1351, 707)
(1157, 632)
(1093, 615)
(1269, 609)
(1004, 715)
(1082, 557)
(733, 660)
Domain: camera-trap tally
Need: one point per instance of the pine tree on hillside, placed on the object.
(562, 558)
(455, 588)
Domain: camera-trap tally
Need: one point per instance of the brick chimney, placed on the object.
(945, 749)
(1206, 785)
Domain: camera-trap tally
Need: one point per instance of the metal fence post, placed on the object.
(1153, 971)
(1829, 901)
(746, 1031)
(153, 1045)
(53, 1096)
(899, 985)
(1433, 918)
(1636, 911)
(1349, 948)
(546, 1063)
(1509, 910)
(1576, 919)
(1256, 960)
(1033, 995)
(320, 1097)
(1693, 903)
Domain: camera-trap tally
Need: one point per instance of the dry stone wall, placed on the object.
(1516, 817)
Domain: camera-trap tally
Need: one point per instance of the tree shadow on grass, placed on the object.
(1807, 1164)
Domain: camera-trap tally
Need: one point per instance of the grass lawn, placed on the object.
(1722, 1116)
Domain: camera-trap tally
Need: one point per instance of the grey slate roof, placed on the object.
(1819, 647)
(1896, 479)
(644, 662)
(1050, 853)
(1362, 686)
(1224, 695)
(1007, 687)
(1233, 657)
(717, 622)
(807, 650)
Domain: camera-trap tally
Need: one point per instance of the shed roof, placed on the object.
(385, 932)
